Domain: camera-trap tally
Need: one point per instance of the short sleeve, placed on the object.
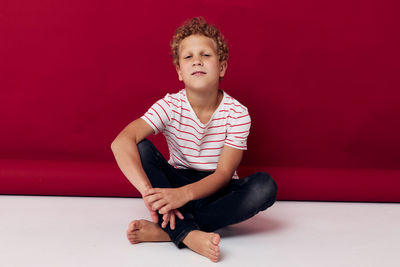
(158, 115)
(238, 130)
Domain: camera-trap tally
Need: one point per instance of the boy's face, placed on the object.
(198, 53)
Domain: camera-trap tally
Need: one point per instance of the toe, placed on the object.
(131, 226)
(214, 254)
(214, 248)
(135, 225)
(133, 238)
(214, 258)
(216, 239)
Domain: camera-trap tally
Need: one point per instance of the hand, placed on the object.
(165, 199)
(170, 216)
(153, 213)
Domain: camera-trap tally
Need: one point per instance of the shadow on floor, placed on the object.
(255, 225)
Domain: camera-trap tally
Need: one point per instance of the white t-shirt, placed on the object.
(192, 144)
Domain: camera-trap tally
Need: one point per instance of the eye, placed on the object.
(207, 55)
(187, 57)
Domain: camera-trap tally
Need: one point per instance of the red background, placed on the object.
(320, 79)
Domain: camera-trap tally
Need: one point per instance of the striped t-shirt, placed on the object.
(192, 144)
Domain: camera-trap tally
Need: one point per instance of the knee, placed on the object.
(264, 189)
(145, 148)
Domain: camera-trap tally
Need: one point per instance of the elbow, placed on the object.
(114, 144)
(121, 141)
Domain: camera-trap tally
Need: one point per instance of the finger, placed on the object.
(179, 214)
(172, 221)
(158, 204)
(164, 218)
(165, 221)
(154, 216)
(166, 208)
(152, 198)
(163, 224)
(148, 205)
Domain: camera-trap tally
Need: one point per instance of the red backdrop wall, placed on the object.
(320, 79)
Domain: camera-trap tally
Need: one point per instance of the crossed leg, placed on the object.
(204, 243)
(240, 200)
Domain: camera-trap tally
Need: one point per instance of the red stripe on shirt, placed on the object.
(240, 106)
(237, 117)
(194, 134)
(229, 125)
(196, 122)
(182, 138)
(218, 126)
(212, 148)
(235, 145)
(173, 104)
(194, 141)
(189, 119)
(193, 156)
(180, 160)
(186, 125)
(163, 110)
(221, 118)
(225, 110)
(237, 132)
(169, 138)
(185, 109)
(152, 123)
(166, 102)
(240, 124)
(192, 162)
(159, 117)
(177, 99)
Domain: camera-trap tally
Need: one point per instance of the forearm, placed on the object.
(128, 159)
(206, 186)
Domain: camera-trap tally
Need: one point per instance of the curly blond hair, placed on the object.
(198, 25)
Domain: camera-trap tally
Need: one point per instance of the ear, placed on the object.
(178, 70)
(222, 68)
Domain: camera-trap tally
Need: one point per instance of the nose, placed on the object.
(197, 61)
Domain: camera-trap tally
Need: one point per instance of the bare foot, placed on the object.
(203, 243)
(145, 231)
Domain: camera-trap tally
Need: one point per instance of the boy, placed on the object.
(197, 191)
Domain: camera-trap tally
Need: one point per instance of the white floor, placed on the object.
(90, 231)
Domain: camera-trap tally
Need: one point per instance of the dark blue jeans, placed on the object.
(234, 203)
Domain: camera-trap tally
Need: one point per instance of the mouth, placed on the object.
(198, 73)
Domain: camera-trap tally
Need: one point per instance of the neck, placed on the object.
(206, 101)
